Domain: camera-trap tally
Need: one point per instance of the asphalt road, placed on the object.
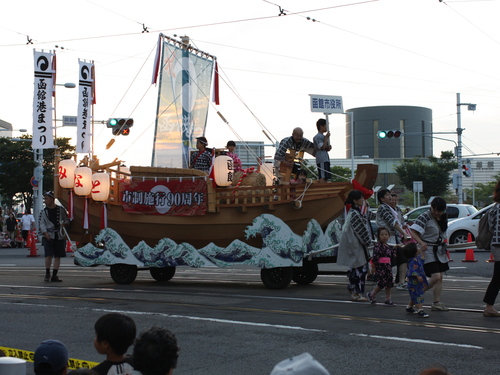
(227, 322)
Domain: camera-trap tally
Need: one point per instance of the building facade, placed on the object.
(414, 123)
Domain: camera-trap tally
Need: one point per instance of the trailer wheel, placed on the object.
(276, 278)
(162, 274)
(306, 274)
(123, 273)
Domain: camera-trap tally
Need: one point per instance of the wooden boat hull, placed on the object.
(322, 202)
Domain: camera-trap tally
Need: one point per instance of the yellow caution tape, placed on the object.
(73, 363)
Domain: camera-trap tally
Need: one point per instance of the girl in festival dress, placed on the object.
(383, 255)
(417, 282)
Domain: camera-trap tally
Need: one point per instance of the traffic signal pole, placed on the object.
(459, 153)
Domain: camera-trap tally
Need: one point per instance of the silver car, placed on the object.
(454, 211)
(458, 230)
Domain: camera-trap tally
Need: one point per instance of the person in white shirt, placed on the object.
(27, 224)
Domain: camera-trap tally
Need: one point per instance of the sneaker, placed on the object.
(55, 279)
(389, 303)
(410, 310)
(371, 299)
(401, 286)
(362, 299)
(47, 278)
(354, 296)
(422, 314)
(439, 307)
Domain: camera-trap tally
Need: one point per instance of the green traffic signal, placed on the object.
(382, 134)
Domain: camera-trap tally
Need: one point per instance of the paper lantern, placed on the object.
(100, 186)
(83, 181)
(223, 170)
(67, 173)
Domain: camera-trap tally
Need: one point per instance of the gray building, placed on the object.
(415, 124)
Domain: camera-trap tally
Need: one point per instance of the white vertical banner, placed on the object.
(43, 135)
(85, 100)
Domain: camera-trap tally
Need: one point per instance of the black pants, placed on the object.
(494, 286)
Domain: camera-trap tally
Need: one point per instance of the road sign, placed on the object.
(33, 182)
(69, 120)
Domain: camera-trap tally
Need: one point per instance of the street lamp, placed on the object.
(470, 107)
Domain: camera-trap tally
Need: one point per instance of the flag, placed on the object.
(156, 67)
(43, 106)
(85, 100)
(215, 95)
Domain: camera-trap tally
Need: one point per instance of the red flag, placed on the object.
(215, 96)
(156, 67)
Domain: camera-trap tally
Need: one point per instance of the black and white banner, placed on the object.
(43, 135)
(85, 100)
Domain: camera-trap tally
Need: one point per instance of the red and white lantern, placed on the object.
(67, 173)
(83, 181)
(100, 186)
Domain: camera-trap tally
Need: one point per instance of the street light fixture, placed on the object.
(470, 107)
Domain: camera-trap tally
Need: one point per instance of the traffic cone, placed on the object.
(33, 249)
(28, 240)
(469, 253)
(491, 260)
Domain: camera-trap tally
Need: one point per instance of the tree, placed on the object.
(434, 174)
(484, 192)
(17, 165)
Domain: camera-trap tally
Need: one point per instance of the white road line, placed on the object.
(417, 341)
(226, 321)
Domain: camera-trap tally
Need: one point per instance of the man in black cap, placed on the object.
(201, 160)
(52, 219)
(51, 358)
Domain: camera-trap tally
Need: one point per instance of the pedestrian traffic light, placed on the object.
(466, 170)
(120, 125)
(389, 134)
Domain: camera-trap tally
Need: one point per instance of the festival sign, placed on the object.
(182, 197)
(43, 136)
(85, 101)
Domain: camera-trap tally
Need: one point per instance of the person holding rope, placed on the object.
(52, 220)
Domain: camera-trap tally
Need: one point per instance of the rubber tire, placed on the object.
(276, 278)
(162, 274)
(306, 274)
(459, 237)
(123, 273)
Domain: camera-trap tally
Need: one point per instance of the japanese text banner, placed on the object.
(85, 100)
(176, 198)
(43, 136)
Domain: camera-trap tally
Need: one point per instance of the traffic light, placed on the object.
(389, 134)
(120, 125)
(466, 170)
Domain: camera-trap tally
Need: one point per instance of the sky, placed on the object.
(370, 52)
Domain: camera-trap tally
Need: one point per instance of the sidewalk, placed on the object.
(20, 257)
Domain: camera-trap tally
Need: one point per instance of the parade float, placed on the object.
(158, 218)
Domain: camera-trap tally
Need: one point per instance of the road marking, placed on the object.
(420, 341)
(212, 320)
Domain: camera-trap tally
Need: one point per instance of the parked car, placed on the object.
(454, 211)
(458, 230)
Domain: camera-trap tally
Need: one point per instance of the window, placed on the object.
(452, 212)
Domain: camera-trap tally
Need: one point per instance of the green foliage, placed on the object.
(17, 165)
(434, 174)
(484, 192)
